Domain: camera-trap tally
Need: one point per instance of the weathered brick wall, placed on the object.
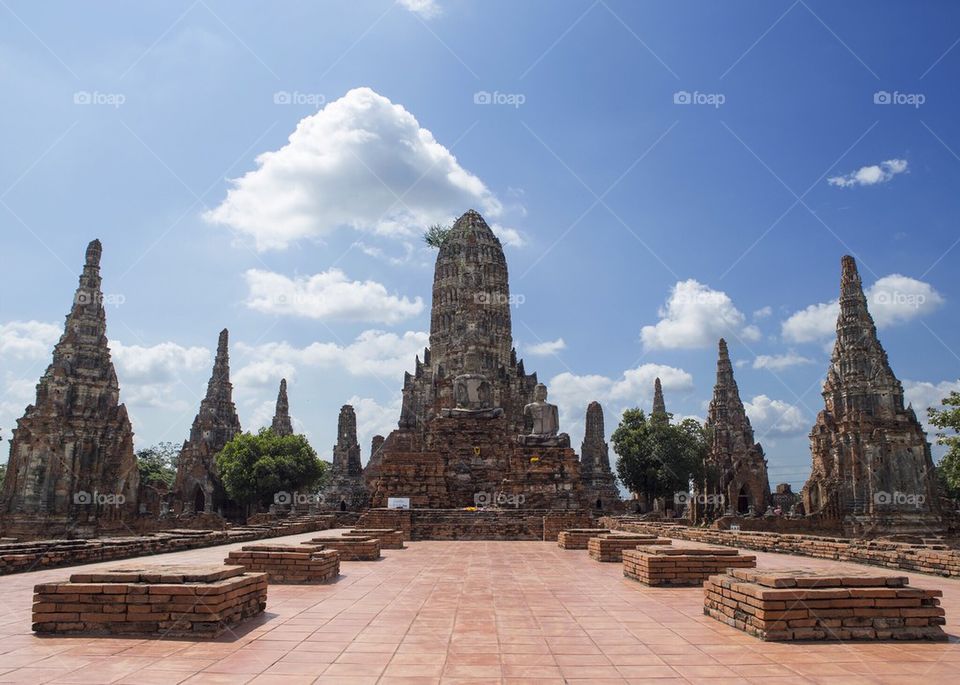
(553, 523)
(935, 559)
(30, 556)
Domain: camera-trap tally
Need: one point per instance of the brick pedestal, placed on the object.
(577, 538)
(353, 548)
(389, 538)
(154, 601)
(288, 563)
(681, 566)
(609, 547)
(805, 605)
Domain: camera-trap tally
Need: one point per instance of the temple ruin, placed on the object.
(737, 480)
(474, 427)
(598, 480)
(872, 467)
(282, 425)
(345, 489)
(72, 469)
(198, 488)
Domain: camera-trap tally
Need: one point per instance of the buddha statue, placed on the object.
(472, 392)
(541, 422)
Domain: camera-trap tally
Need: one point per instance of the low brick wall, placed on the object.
(355, 548)
(161, 601)
(681, 566)
(461, 524)
(577, 538)
(935, 559)
(30, 556)
(288, 563)
(802, 605)
(389, 538)
(609, 547)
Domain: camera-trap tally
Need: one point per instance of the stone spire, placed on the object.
(659, 412)
(372, 470)
(346, 488)
(594, 452)
(281, 417)
(198, 483)
(73, 448)
(737, 461)
(870, 454)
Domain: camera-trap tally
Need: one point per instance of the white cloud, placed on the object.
(508, 236)
(161, 363)
(923, 394)
(696, 316)
(28, 339)
(763, 312)
(360, 162)
(547, 347)
(374, 418)
(870, 175)
(372, 353)
(428, 9)
(775, 417)
(327, 295)
(777, 362)
(892, 300)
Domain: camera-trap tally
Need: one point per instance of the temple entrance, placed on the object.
(743, 500)
(199, 500)
(599, 503)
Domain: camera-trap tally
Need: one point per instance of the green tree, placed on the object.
(254, 468)
(948, 419)
(657, 459)
(435, 235)
(158, 464)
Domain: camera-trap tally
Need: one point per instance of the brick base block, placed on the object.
(806, 605)
(288, 563)
(681, 566)
(153, 601)
(608, 547)
(577, 538)
(390, 538)
(354, 548)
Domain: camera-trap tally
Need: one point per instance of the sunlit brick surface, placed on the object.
(471, 612)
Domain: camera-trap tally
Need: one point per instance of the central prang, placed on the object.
(472, 420)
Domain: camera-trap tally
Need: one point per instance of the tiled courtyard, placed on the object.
(470, 612)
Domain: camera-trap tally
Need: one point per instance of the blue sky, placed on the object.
(638, 226)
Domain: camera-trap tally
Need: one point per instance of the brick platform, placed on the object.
(577, 538)
(389, 538)
(354, 548)
(609, 547)
(156, 601)
(806, 605)
(288, 563)
(681, 566)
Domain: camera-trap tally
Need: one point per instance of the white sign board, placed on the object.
(398, 503)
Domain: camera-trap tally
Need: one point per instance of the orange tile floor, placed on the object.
(470, 612)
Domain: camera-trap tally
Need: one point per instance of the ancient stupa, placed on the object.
(346, 489)
(198, 488)
(474, 426)
(872, 467)
(72, 469)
